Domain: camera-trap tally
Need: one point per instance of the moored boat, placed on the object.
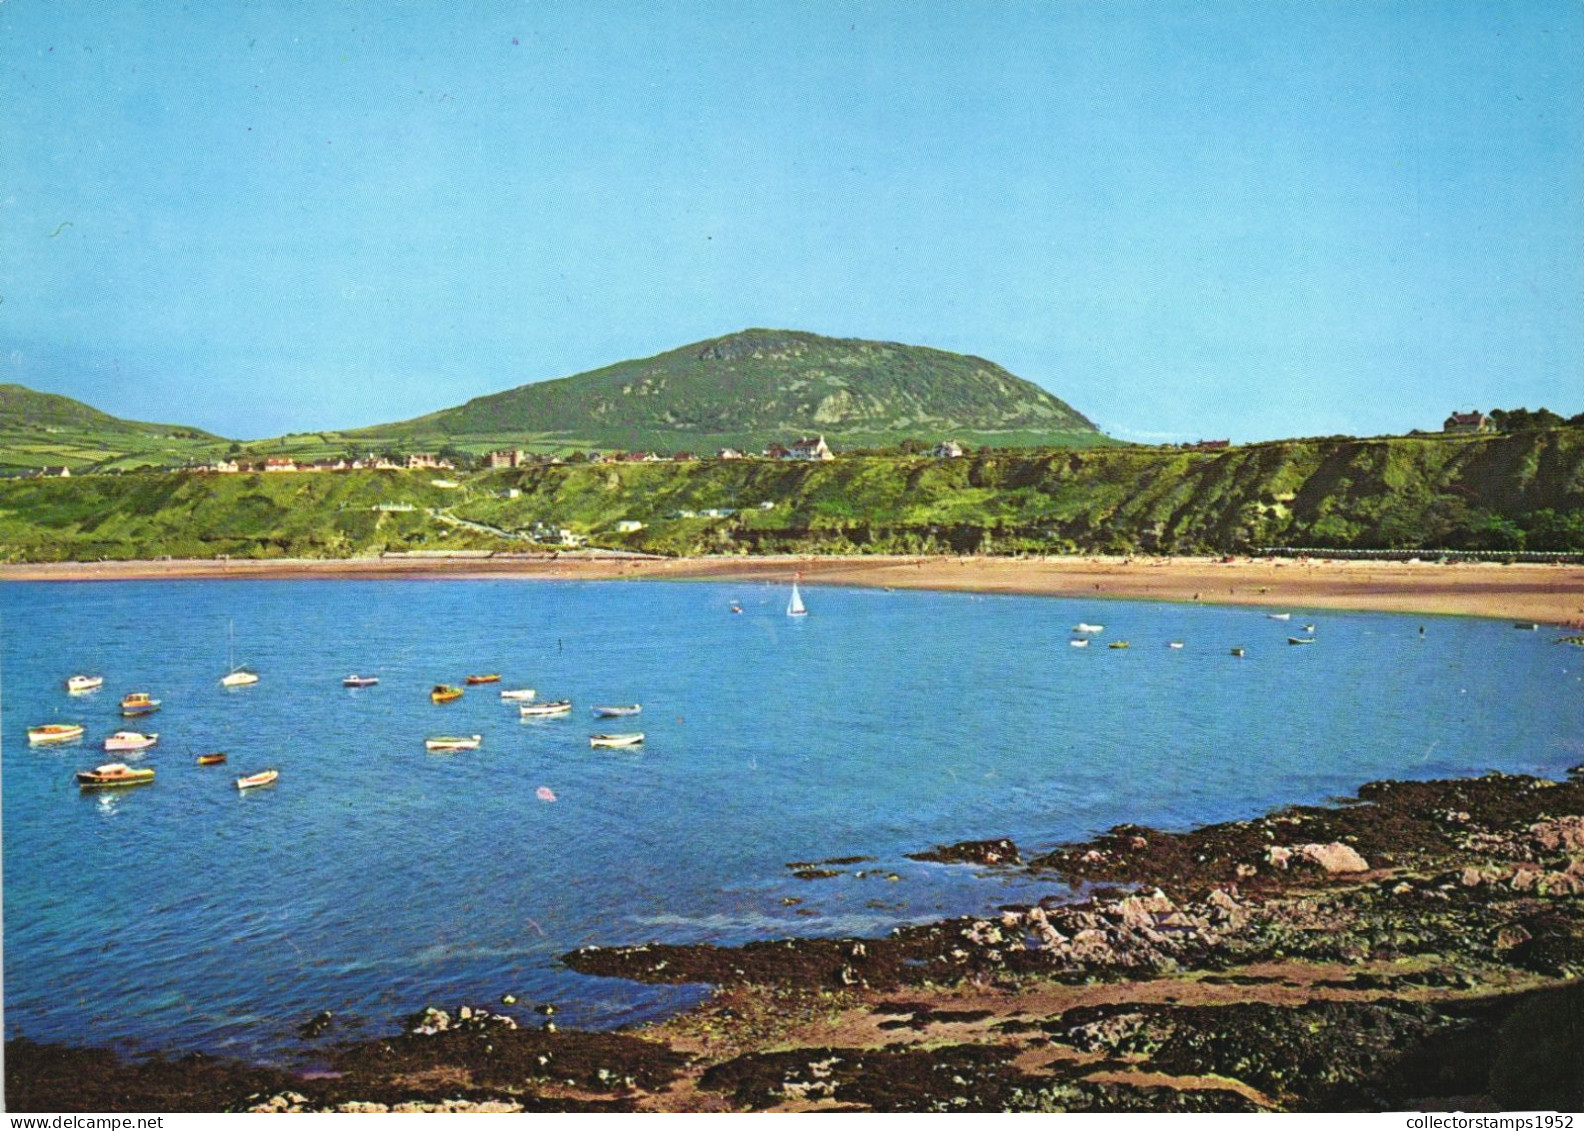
(1117, 644)
(211, 759)
(1526, 626)
(518, 693)
(54, 732)
(138, 703)
(444, 693)
(1239, 652)
(492, 678)
(79, 683)
(1278, 616)
(130, 740)
(113, 774)
(449, 742)
(355, 680)
(1174, 644)
(615, 741)
(235, 676)
(1079, 642)
(253, 781)
(1300, 640)
(1082, 627)
(617, 712)
(539, 710)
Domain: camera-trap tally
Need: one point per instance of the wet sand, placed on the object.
(1546, 594)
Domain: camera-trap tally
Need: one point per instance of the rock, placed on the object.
(997, 851)
(1565, 834)
(315, 1025)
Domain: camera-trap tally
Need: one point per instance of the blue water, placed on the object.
(375, 878)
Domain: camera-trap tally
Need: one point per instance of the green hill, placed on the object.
(757, 387)
(44, 430)
(1523, 491)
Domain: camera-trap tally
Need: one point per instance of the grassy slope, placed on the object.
(758, 386)
(1505, 492)
(43, 430)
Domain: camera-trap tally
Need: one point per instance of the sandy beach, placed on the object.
(1546, 594)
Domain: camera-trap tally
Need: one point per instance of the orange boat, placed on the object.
(495, 678)
(211, 759)
(444, 693)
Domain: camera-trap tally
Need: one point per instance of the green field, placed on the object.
(1502, 493)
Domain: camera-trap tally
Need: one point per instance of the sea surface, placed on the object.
(375, 878)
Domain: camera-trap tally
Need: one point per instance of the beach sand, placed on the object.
(1546, 594)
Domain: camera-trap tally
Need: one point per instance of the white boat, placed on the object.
(1079, 642)
(355, 680)
(540, 710)
(617, 712)
(615, 741)
(253, 781)
(1174, 643)
(80, 683)
(795, 605)
(130, 740)
(1278, 616)
(448, 742)
(1082, 627)
(523, 693)
(236, 677)
(1300, 640)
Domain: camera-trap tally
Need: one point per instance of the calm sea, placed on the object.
(375, 878)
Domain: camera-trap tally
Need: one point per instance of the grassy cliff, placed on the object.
(1513, 492)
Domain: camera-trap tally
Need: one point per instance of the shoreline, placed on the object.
(1418, 948)
(1544, 594)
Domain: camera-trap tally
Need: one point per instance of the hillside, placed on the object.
(1516, 492)
(44, 429)
(757, 387)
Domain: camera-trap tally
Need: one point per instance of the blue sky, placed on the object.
(1212, 219)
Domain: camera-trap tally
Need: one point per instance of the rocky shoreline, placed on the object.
(1420, 946)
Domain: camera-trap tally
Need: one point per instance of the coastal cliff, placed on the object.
(1505, 493)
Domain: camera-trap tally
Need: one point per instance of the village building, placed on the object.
(280, 463)
(1208, 445)
(810, 449)
(507, 457)
(948, 449)
(1467, 422)
(728, 453)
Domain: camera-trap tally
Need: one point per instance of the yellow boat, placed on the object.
(139, 703)
(113, 774)
(54, 732)
(211, 759)
(1117, 644)
(444, 693)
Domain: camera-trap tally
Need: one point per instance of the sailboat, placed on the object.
(236, 677)
(795, 605)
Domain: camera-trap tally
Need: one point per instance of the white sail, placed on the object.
(795, 605)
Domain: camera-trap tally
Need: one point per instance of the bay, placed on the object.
(375, 878)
